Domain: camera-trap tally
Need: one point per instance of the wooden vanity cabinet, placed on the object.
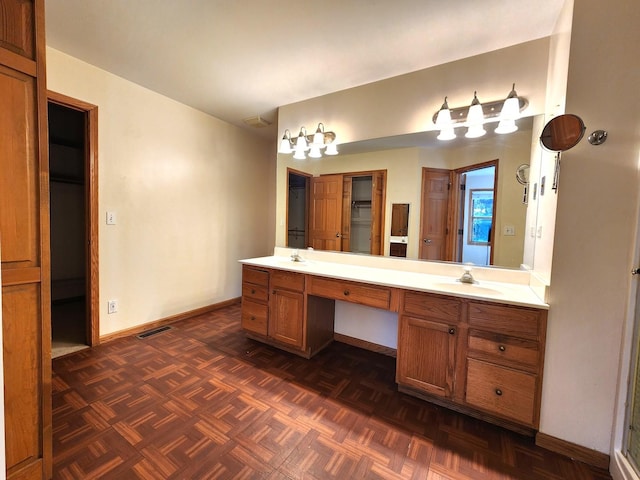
(277, 310)
(255, 300)
(505, 354)
(428, 337)
(286, 308)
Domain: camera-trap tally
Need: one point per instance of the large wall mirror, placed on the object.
(494, 221)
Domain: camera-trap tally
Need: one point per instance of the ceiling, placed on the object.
(236, 59)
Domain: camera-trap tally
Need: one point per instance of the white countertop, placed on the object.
(516, 293)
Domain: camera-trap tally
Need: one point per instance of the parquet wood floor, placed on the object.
(200, 401)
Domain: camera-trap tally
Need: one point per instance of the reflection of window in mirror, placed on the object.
(480, 216)
(399, 219)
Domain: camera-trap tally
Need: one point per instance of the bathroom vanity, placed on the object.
(476, 348)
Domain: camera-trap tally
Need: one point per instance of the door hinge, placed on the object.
(449, 186)
(463, 187)
(635, 271)
(460, 231)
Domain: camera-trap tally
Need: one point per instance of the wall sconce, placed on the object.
(314, 144)
(476, 115)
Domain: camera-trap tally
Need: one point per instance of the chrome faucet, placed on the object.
(466, 275)
(295, 256)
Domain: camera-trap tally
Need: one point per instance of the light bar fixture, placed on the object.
(315, 144)
(476, 115)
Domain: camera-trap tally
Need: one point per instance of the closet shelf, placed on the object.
(361, 203)
(66, 179)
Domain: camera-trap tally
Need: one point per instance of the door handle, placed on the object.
(427, 241)
(338, 235)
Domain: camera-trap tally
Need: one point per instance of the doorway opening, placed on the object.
(74, 227)
(297, 209)
(476, 214)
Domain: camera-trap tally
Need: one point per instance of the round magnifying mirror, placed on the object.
(562, 132)
(522, 174)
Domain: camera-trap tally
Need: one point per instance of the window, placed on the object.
(480, 216)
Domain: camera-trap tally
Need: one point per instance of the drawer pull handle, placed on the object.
(452, 331)
(502, 348)
(498, 392)
(346, 292)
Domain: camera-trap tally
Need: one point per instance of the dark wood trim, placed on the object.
(574, 451)
(18, 62)
(372, 347)
(168, 320)
(91, 198)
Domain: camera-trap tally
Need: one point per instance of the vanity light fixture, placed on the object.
(444, 122)
(314, 144)
(475, 119)
(476, 115)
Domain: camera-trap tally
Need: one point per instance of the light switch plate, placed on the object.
(111, 218)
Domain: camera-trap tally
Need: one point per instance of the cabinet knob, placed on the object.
(253, 318)
(452, 331)
(253, 291)
(502, 348)
(274, 292)
(346, 293)
(498, 392)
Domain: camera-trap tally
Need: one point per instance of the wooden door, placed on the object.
(426, 355)
(434, 214)
(24, 233)
(326, 212)
(377, 213)
(286, 317)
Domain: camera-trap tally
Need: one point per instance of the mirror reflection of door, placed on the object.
(297, 209)
(326, 212)
(457, 215)
(434, 214)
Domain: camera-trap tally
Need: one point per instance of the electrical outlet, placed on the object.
(112, 306)
(111, 218)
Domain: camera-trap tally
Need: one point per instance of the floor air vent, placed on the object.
(154, 331)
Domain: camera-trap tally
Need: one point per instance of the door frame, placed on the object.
(91, 214)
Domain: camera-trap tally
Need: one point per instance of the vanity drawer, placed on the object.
(514, 321)
(255, 292)
(501, 391)
(254, 275)
(287, 280)
(503, 349)
(369, 295)
(432, 306)
(254, 316)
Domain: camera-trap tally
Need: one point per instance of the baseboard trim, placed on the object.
(572, 450)
(167, 320)
(372, 347)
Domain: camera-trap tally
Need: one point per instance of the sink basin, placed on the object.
(469, 288)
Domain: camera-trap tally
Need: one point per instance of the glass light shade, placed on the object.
(285, 146)
(318, 140)
(444, 115)
(314, 152)
(510, 109)
(299, 155)
(301, 143)
(332, 149)
(475, 115)
(506, 126)
(475, 131)
(446, 133)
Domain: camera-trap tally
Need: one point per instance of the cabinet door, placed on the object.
(426, 355)
(286, 317)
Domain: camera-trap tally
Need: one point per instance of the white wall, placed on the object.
(192, 195)
(595, 228)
